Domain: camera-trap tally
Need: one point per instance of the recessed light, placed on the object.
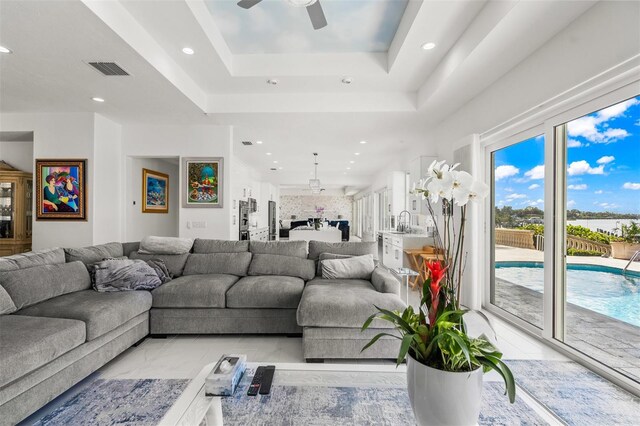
(97, 99)
(5, 50)
(259, 142)
(188, 51)
(275, 161)
(352, 162)
(348, 168)
(356, 153)
(280, 167)
(268, 153)
(347, 80)
(363, 142)
(428, 46)
(272, 81)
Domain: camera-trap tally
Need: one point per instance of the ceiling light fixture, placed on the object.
(188, 51)
(363, 142)
(314, 184)
(259, 142)
(5, 50)
(357, 153)
(268, 153)
(347, 80)
(275, 161)
(272, 81)
(97, 99)
(348, 168)
(428, 46)
(352, 162)
(281, 167)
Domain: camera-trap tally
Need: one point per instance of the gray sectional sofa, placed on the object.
(55, 329)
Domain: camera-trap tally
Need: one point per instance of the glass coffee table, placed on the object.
(194, 408)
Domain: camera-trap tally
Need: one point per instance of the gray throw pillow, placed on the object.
(219, 246)
(218, 263)
(92, 254)
(329, 256)
(34, 285)
(53, 256)
(354, 268)
(174, 262)
(124, 274)
(165, 245)
(6, 304)
(288, 266)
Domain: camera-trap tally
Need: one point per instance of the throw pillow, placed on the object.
(353, 268)
(329, 256)
(289, 266)
(92, 254)
(174, 262)
(124, 274)
(6, 304)
(165, 245)
(218, 263)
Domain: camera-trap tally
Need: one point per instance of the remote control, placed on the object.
(267, 378)
(256, 382)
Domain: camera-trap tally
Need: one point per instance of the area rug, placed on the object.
(111, 402)
(575, 394)
(328, 405)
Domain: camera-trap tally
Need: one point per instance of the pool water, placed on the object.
(598, 288)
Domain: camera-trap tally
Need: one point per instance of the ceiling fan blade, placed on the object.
(247, 4)
(317, 16)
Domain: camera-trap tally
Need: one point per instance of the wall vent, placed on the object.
(247, 143)
(108, 68)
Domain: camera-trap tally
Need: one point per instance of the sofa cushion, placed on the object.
(356, 267)
(328, 256)
(6, 304)
(343, 303)
(194, 291)
(266, 292)
(30, 259)
(128, 248)
(94, 254)
(165, 245)
(219, 246)
(282, 248)
(101, 312)
(174, 262)
(350, 248)
(384, 281)
(273, 264)
(218, 263)
(33, 285)
(27, 343)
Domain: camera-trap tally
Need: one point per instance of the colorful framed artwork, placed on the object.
(203, 182)
(61, 191)
(155, 192)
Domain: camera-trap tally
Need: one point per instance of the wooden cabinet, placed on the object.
(16, 210)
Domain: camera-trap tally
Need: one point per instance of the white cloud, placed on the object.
(534, 186)
(591, 127)
(515, 196)
(536, 173)
(572, 143)
(580, 187)
(599, 191)
(606, 159)
(631, 185)
(571, 203)
(608, 205)
(581, 167)
(506, 171)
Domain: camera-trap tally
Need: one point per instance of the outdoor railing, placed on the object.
(584, 244)
(521, 238)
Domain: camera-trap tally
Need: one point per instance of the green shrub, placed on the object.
(576, 231)
(577, 252)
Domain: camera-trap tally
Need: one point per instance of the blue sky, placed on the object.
(603, 164)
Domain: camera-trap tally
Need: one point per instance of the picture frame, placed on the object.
(203, 182)
(155, 191)
(61, 191)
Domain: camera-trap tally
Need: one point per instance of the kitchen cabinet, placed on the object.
(16, 214)
(418, 169)
(394, 245)
(259, 234)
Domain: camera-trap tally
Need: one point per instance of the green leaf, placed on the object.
(375, 339)
(404, 347)
(368, 322)
(463, 346)
(498, 365)
(402, 323)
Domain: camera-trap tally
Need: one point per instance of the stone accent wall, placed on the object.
(304, 206)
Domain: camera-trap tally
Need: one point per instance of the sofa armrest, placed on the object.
(384, 281)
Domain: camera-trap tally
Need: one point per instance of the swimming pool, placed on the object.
(601, 289)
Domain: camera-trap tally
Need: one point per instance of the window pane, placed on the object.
(602, 304)
(517, 284)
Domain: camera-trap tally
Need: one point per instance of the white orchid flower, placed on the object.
(462, 182)
(478, 191)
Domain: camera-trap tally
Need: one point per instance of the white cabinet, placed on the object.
(394, 245)
(259, 234)
(418, 170)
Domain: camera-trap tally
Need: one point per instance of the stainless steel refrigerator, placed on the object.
(273, 226)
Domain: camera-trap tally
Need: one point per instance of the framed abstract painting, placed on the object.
(203, 182)
(61, 191)
(155, 192)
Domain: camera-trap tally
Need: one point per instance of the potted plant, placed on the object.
(444, 364)
(628, 244)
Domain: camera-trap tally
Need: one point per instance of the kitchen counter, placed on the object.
(394, 245)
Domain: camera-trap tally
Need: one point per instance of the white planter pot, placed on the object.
(442, 397)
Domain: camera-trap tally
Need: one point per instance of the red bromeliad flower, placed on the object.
(436, 273)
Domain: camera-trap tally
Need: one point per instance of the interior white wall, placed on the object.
(141, 224)
(188, 141)
(18, 154)
(64, 135)
(108, 174)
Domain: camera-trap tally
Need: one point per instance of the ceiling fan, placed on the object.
(314, 9)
